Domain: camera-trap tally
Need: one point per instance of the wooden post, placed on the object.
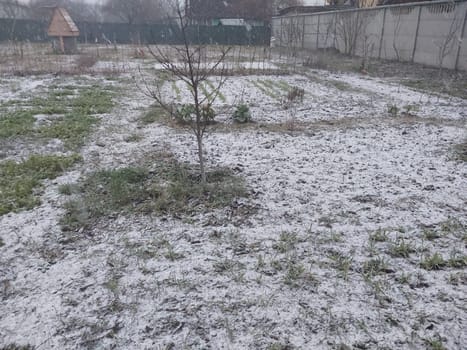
(62, 45)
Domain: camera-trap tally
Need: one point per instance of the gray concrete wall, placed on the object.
(431, 33)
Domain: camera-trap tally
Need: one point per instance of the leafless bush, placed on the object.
(295, 94)
(350, 28)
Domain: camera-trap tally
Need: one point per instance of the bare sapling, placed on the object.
(191, 64)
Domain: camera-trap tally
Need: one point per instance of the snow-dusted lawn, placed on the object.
(350, 201)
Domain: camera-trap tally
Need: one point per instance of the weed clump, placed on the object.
(434, 262)
(19, 181)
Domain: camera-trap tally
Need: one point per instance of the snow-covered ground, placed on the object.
(337, 182)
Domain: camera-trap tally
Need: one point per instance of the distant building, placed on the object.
(226, 12)
(294, 10)
(63, 31)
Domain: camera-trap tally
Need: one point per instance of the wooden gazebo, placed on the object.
(63, 31)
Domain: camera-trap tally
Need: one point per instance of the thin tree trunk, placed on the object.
(201, 159)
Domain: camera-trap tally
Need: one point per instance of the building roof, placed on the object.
(62, 24)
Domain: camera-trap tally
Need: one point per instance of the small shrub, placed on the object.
(295, 94)
(186, 114)
(242, 114)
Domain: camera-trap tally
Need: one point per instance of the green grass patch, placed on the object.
(19, 181)
(72, 129)
(77, 115)
(341, 85)
(283, 85)
(169, 189)
(20, 123)
(265, 90)
(452, 87)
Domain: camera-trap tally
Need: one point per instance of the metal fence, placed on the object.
(431, 33)
(35, 31)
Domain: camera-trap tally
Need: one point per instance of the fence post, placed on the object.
(317, 34)
(382, 33)
(303, 33)
(280, 40)
(335, 31)
(416, 33)
(461, 41)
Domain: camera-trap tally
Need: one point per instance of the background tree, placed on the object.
(137, 11)
(79, 10)
(11, 8)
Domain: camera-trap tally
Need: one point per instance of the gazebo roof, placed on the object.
(62, 24)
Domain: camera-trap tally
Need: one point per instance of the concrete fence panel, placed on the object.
(431, 33)
(326, 35)
(311, 32)
(369, 39)
(461, 55)
(440, 34)
(400, 31)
